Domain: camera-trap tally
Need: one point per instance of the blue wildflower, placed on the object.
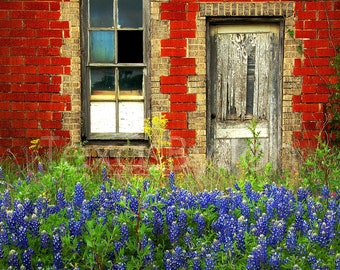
(57, 261)
(182, 220)
(13, 259)
(124, 233)
(170, 214)
(56, 242)
(40, 167)
(174, 232)
(45, 239)
(291, 240)
(302, 194)
(2, 174)
(337, 261)
(22, 237)
(172, 181)
(157, 222)
(26, 258)
(75, 228)
(199, 219)
(196, 263)
(60, 198)
(325, 192)
(79, 195)
(209, 262)
(278, 232)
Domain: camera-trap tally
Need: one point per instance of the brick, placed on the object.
(182, 142)
(173, 80)
(37, 133)
(10, 24)
(11, 5)
(306, 15)
(22, 33)
(325, 52)
(36, 6)
(305, 34)
(167, 89)
(176, 116)
(182, 25)
(173, 52)
(51, 124)
(36, 23)
(51, 106)
(312, 116)
(183, 71)
(307, 107)
(316, 43)
(176, 125)
(173, 43)
(173, 7)
(35, 42)
(314, 98)
(24, 51)
(311, 134)
(48, 52)
(49, 33)
(62, 133)
(183, 107)
(25, 124)
(183, 98)
(329, 15)
(179, 16)
(334, 34)
(30, 78)
(37, 60)
(59, 24)
(316, 25)
(321, 5)
(35, 115)
(56, 42)
(38, 97)
(50, 70)
(23, 69)
(309, 88)
(316, 62)
(183, 61)
(182, 33)
(304, 71)
(193, 7)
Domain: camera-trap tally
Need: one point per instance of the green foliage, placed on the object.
(251, 163)
(333, 107)
(322, 168)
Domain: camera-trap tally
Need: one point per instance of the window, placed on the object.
(113, 69)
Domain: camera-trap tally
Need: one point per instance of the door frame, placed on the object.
(210, 116)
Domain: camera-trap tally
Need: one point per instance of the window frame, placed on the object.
(86, 134)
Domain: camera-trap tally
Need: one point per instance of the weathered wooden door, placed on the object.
(244, 83)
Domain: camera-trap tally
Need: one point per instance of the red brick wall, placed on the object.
(317, 27)
(31, 69)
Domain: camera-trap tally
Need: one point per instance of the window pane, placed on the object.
(101, 46)
(131, 117)
(130, 46)
(103, 117)
(131, 81)
(102, 81)
(130, 13)
(101, 13)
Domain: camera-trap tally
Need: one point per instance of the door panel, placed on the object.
(244, 84)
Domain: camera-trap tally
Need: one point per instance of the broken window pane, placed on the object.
(101, 13)
(130, 13)
(130, 46)
(131, 81)
(101, 46)
(102, 81)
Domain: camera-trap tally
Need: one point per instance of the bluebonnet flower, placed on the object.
(34, 225)
(124, 232)
(22, 237)
(174, 232)
(13, 259)
(146, 185)
(209, 262)
(172, 181)
(182, 220)
(337, 261)
(102, 216)
(118, 245)
(104, 174)
(40, 167)
(302, 194)
(188, 237)
(245, 210)
(60, 198)
(85, 211)
(170, 214)
(4, 239)
(270, 208)
(157, 222)
(291, 240)
(199, 218)
(275, 261)
(45, 239)
(252, 195)
(278, 232)
(6, 200)
(314, 262)
(57, 261)
(39, 265)
(327, 229)
(75, 228)
(79, 195)
(325, 192)
(261, 227)
(132, 202)
(2, 174)
(236, 186)
(258, 257)
(196, 263)
(119, 266)
(1, 251)
(19, 214)
(28, 207)
(27, 258)
(56, 242)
